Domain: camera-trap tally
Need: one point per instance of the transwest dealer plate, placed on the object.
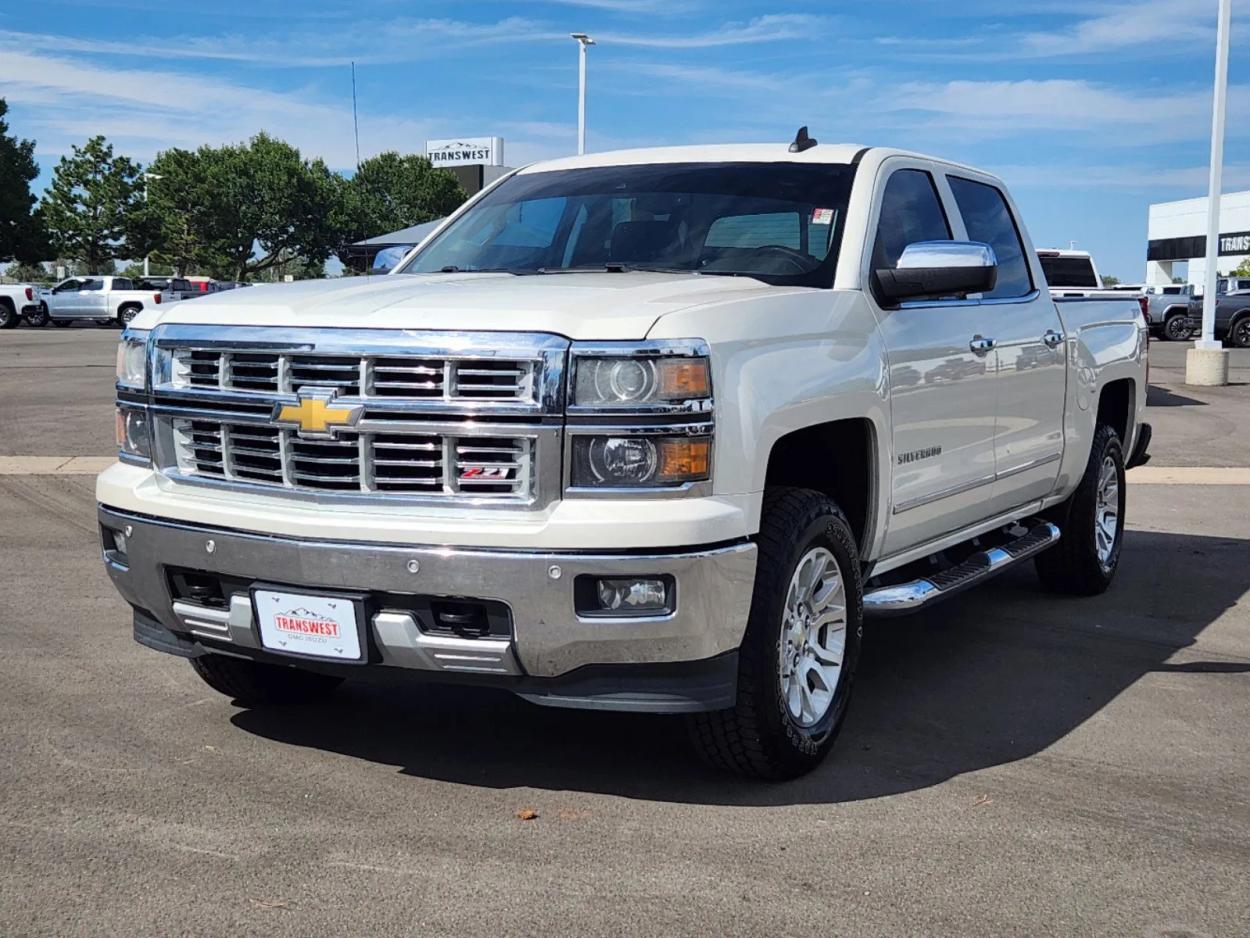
(299, 624)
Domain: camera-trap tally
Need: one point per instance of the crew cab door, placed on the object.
(92, 301)
(63, 300)
(940, 372)
(1030, 375)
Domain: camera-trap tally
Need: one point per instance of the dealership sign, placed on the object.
(1183, 249)
(1235, 243)
(466, 151)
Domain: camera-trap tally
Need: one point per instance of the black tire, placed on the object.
(1239, 331)
(9, 316)
(1176, 327)
(39, 318)
(256, 684)
(127, 314)
(1074, 566)
(758, 736)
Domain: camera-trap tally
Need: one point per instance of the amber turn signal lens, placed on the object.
(683, 461)
(683, 379)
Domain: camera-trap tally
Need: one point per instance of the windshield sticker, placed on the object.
(822, 216)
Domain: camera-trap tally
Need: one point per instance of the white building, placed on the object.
(1178, 235)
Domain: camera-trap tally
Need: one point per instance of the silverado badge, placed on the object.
(316, 416)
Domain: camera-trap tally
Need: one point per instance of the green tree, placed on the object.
(390, 192)
(21, 228)
(92, 204)
(1243, 269)
(1110, 281)
(27, 273)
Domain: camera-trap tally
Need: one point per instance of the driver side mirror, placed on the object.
(934, 269)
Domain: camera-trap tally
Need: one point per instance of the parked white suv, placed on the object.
(654, 430)
(105, 299)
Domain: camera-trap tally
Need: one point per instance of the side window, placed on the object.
(88, 285)
(910, 211)
(121, 283)
(988, 219)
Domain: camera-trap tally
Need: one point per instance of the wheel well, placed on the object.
(1175, 311)
(1115, 407)
(130, 305)
(834, 458)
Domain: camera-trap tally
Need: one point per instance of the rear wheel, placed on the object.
(127, 314)
(1176, 328)
(801, 646)
(38, 318)
(254, 683)
(9, 316)
(1239, 334)
(1084, 561)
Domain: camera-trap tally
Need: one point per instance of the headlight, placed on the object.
(634, 382)
(640, 461)
(132, 359)
(134, 435)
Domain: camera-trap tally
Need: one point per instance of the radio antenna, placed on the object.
(355, 119)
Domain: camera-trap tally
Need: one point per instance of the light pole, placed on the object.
(1206, 364)
(583, 43)
(146, 177)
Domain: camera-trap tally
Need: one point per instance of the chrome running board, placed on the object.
(909, 597)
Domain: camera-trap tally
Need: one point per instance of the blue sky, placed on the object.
(1089, 110)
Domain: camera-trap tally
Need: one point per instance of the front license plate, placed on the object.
(299, 624)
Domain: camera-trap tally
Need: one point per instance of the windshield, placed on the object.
(777, 222)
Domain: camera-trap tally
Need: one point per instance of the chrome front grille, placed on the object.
(448, 379)
(430, 464)
(441, 417)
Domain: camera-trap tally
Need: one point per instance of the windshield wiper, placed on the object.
(453, 269)
(615, 267)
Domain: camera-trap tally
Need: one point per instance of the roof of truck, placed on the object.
(822, 153)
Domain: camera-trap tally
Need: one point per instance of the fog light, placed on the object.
(119, 543)
(634, 595)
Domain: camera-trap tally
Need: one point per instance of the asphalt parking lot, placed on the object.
(1013, 763)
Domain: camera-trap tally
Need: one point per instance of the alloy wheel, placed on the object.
(813, 637)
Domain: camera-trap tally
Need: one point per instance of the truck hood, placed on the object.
(580, 306)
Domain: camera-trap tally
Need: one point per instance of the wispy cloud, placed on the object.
(777, 27)
(1163, 24)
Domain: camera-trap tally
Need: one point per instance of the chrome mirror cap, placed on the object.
(921, 254)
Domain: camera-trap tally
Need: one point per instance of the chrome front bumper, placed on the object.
(549, 638)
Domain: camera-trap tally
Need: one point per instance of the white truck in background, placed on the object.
(17, 301)
(653, 430)
(104, 300)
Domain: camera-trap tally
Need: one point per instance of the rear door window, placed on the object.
(1069, 271)
(988, 219)
(910, 211)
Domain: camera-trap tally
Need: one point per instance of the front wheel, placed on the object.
(1091, 524)
(255, 683)
(801, 646)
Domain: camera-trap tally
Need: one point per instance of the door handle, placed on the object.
(981, 345)
(1052, 339)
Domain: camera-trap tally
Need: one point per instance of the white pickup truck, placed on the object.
(654, 430)
(17, 300)
(103, 300)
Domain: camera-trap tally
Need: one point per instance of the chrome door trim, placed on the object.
(954, 490)
(1031, 464)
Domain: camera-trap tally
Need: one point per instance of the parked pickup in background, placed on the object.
(1232, 318)
(17, 300)
(653, 430)
(101, 299)
(1073, 274)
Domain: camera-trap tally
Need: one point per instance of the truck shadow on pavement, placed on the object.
(988, 678)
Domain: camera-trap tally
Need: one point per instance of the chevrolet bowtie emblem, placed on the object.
(316, 415)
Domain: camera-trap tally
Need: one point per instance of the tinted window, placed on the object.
(1069, 271)
(92, 285)
(910, 211)
(121, 283)
(987, 219)
(776, 222)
